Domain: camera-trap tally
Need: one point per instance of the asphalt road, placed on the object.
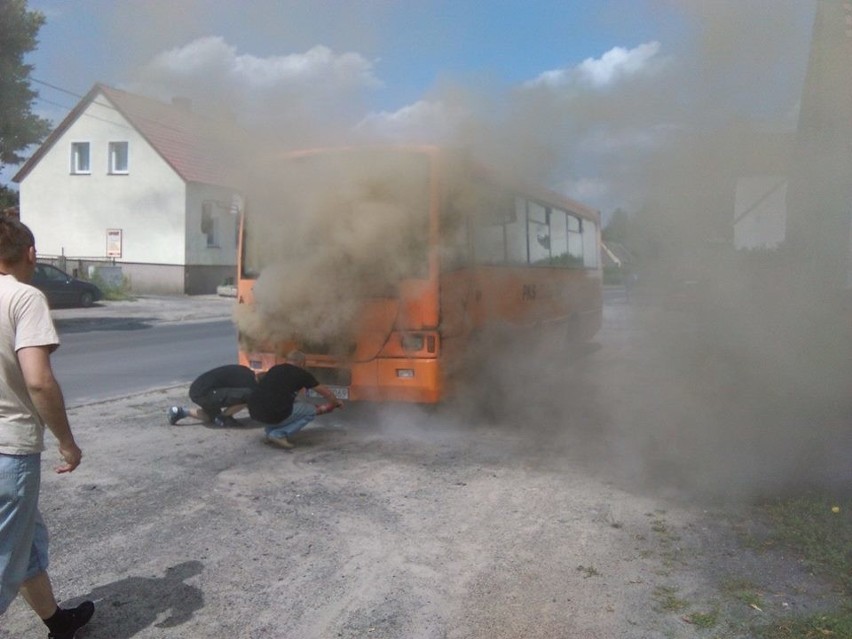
(97, 365)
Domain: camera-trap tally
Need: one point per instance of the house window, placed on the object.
(209, 224)
(80, 158)
(118, 158)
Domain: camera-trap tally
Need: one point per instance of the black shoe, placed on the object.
(230, 422)
(176, 413)
(73, 619)
(219, 422)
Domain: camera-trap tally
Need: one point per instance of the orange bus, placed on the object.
(384, 264)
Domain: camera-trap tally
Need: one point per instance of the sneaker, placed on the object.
(75, 618)
(219, 422)
(280, 442)
(230, 422)
(176, 413)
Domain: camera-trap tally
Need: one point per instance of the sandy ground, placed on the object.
(405, 523)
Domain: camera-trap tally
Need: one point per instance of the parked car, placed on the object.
(63, 290)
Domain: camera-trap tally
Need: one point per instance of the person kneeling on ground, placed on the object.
(220, 393)
(274, 401)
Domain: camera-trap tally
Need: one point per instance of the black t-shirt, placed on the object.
(230, 376)
(272, 402)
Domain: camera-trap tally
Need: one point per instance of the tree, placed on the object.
(8, 198)
(19, 127)
(618, 228)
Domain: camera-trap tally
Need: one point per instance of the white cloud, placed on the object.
(423, 121)
(213, 55)
(304, 98)
(612, 66)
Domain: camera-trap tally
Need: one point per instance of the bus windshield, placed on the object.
(358, 214)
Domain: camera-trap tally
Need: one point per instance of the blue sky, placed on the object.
(583, 86)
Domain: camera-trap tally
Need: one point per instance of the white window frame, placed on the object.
(76, 167)
(112, 159)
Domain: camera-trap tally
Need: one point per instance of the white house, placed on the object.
(138, 183)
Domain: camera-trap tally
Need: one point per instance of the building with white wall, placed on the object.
(140, 183)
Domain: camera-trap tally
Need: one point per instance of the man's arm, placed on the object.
(328, 396)
(47, 398)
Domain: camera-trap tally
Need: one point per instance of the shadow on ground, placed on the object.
(126, 607)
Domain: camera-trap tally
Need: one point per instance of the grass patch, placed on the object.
(831, 626)
(703, 620)
(818, 528)
(588, 571)
(112, 292)
(743, 590)
(667, 599)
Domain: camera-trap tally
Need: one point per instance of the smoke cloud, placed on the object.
(715, 377)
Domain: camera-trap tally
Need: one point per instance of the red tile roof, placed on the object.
(198, 148)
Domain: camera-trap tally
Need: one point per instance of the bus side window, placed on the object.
(575, 242)
(590, 244)
(538, 234)
(489, 244)
(516, 237)
(494, 211)
(558, 238)
(455, 245)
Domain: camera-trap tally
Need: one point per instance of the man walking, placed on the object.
(30, 398)
(274, 402)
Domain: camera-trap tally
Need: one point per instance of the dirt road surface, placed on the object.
(405, 523)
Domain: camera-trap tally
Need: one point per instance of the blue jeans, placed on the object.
(302, 415)
(23, 536)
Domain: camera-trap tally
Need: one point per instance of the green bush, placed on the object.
(114, 293)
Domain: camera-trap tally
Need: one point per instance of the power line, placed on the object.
(53, 86)
(72, 93)
(88, 115)
(103, 105)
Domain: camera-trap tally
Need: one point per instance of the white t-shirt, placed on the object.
(24, 321)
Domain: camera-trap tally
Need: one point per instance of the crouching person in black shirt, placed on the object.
(220, 393)
(274, 402)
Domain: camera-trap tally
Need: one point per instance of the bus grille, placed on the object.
(331, 376)
(338, 349)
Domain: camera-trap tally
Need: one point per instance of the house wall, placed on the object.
(158, 213)
(211, 246)
(70, 214)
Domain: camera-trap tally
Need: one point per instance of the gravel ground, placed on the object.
(551, 521)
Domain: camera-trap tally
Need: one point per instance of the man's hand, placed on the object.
(71, 455)
(329, 406)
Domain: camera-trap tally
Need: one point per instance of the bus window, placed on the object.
(539, 234)
(516, 237)
(558, 238)
(489, 244)
(575, 241)
(494, 212)
(590, 244)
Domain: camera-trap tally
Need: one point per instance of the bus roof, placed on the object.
(476, 167)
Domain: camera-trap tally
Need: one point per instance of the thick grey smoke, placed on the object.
(716, 377)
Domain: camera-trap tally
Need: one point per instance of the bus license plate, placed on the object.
(340, 392)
